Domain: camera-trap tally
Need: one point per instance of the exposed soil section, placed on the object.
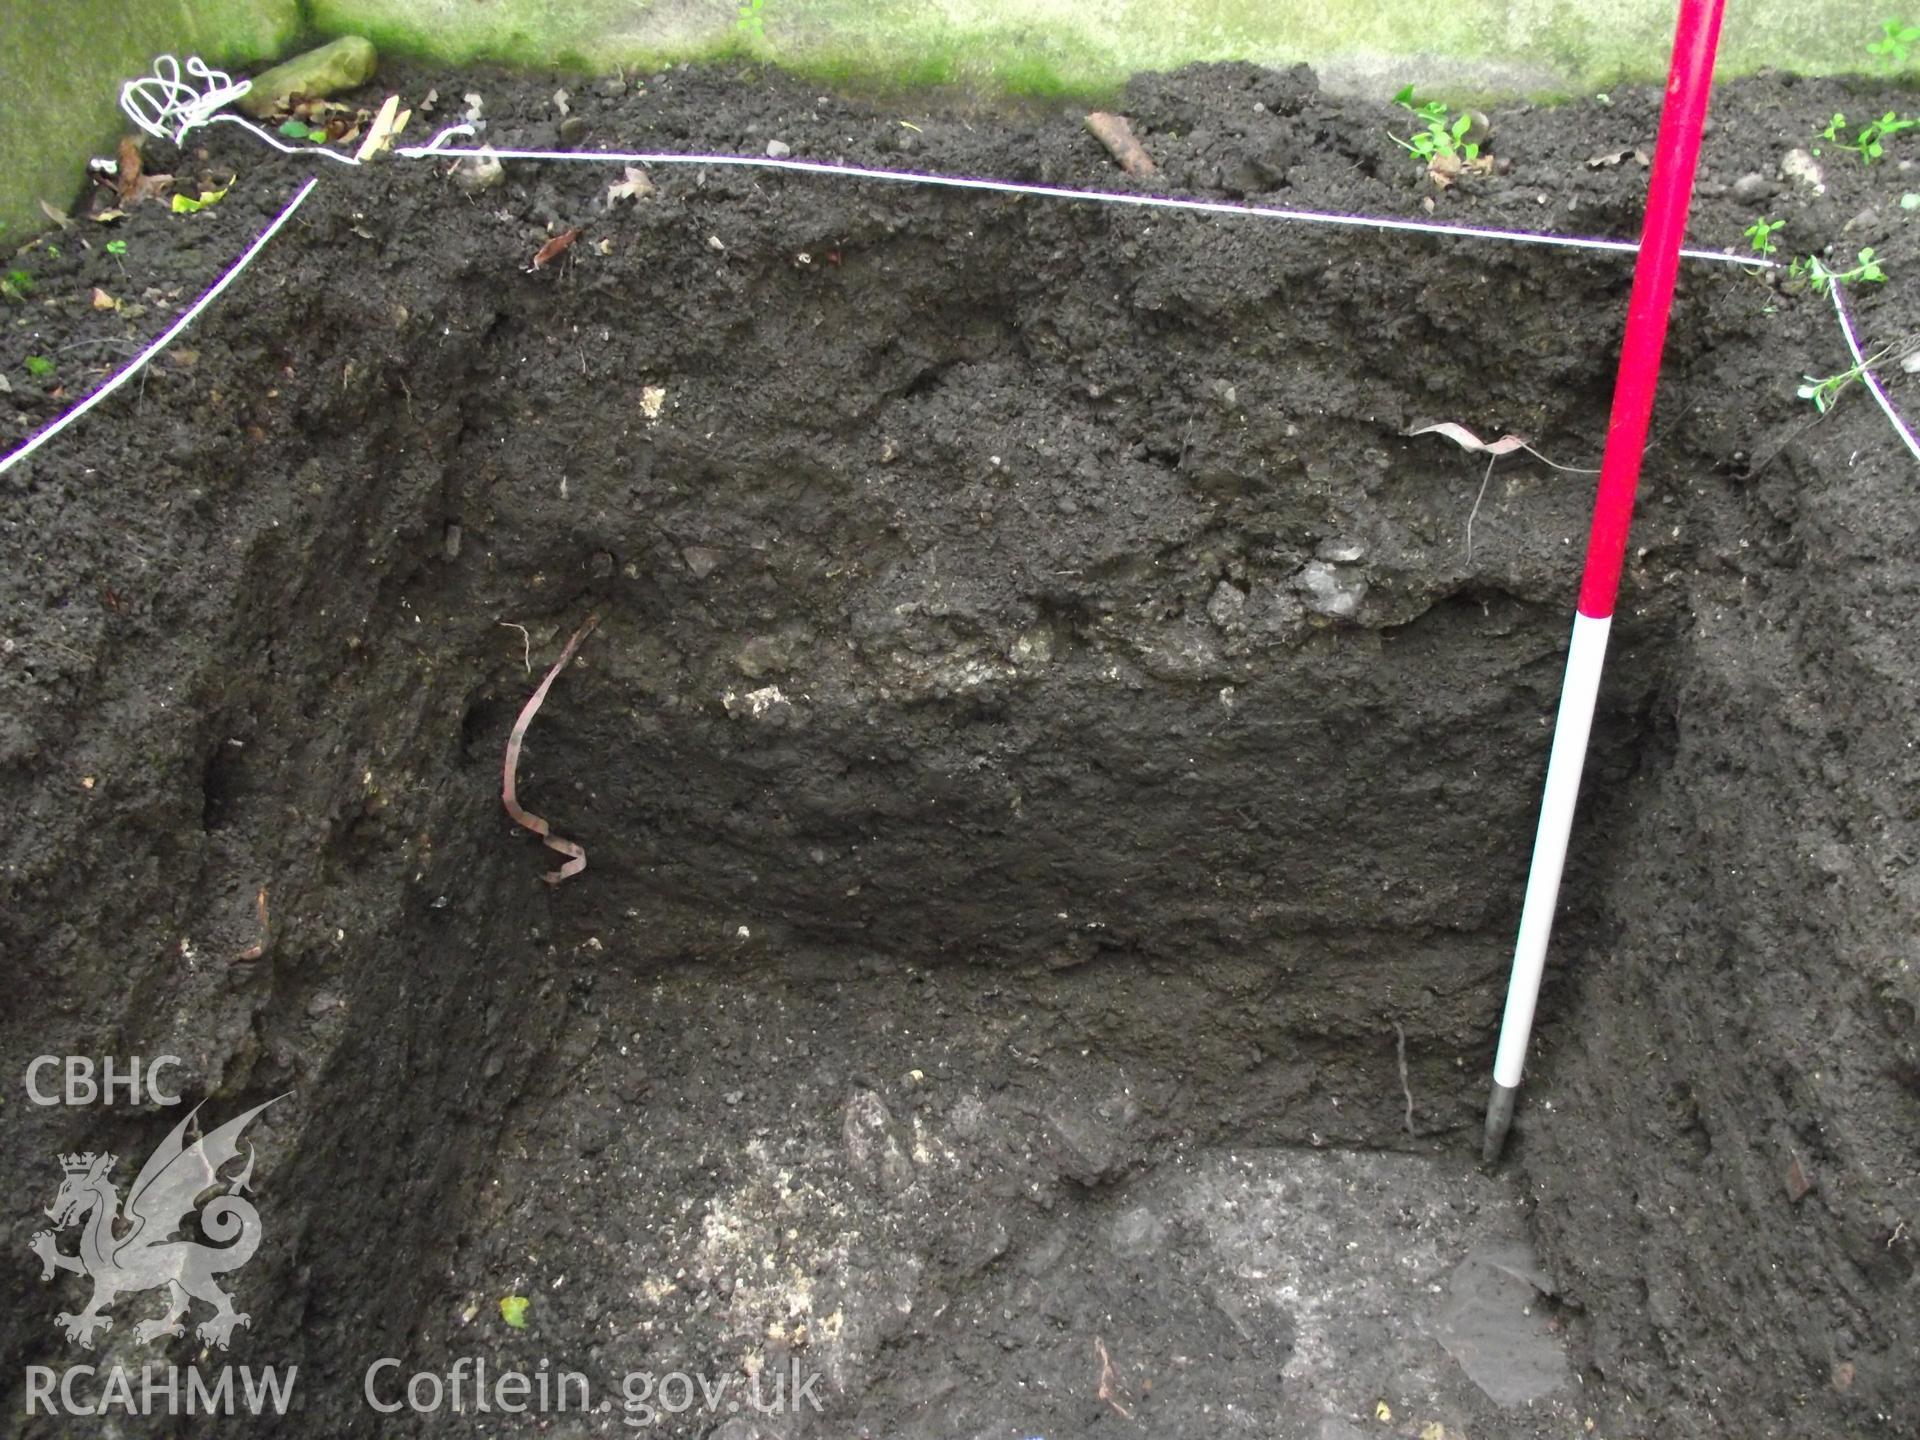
(1056, 777)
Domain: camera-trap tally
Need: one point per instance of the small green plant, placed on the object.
(17, 285)
(118, 250)
(39, 366)
(1866, 143)
(752, 23)
(513, 1310)
(1895, 36)
(1444, 140)
(1824, 391)
(1821, 278)
(1760, 235)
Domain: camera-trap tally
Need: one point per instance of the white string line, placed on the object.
(1054, 192)
(167, 336)
(1866, 374)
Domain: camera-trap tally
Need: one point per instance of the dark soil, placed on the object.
(1048, 752)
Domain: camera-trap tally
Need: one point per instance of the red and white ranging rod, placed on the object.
(1669, 193)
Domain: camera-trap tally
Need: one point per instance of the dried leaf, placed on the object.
(104, 217)
(103, 301)
(56, 215)
(1616, 157)
(129, 173)
(1467, 440)
(554, 248)
(149, 187)
(635, 187)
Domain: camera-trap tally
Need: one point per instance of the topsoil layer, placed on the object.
(1048, 722)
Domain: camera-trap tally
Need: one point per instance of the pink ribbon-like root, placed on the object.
(577, 856)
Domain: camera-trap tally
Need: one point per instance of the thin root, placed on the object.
(1406, 1086)
(526, 643)
(526, 819)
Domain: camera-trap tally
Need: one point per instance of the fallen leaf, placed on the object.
(149, 187)
(128, 175)
(1467, 440)
(635, 187)
(603, 247)
(103, 301)
(183, 205)
(1383, 1412)
(58, 216)
(1615, 157)
(554, 248)
(104, 217)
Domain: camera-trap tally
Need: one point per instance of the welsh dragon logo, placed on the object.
(124, 1251)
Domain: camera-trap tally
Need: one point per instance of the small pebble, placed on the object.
(1751, 187)
(1800, 166)
(778, 150)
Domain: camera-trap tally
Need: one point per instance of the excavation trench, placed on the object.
(1056, 763)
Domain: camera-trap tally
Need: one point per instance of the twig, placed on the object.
(1400, 1043)
(526, 819)
(1116, 134)
(1109, 1380)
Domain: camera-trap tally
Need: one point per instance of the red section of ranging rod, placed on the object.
(1682, 118)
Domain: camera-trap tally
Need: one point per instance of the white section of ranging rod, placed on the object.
(1579, 691)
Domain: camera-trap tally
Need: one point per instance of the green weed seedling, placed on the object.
(1867, 142)
(118, 250)
(1760, 235)
(1442, 145)
(1895, 36)
(17, 285)
(1824, 391)
(1822, 278)
(38, 366)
